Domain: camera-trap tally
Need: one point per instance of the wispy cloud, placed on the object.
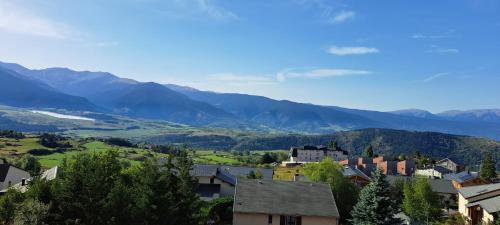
(236, 79)
(318, 73)
(333, 12)
(351, 50)
(15, 19)
(188, 9)
(440, 50)
(433, 77)
(343, 16)
(107, 44)
(447, 34)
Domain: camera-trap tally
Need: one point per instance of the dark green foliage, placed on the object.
(119, 142)
(8, 203)
(344, 191)
(420, 203)
(268, 158)
(11, 134)
(29, 164)
(375, 206)
(219, 211)
(53, 141)
(99, 189)
(368, 152)
(488, 171)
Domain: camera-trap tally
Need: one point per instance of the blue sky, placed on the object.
(381, 55)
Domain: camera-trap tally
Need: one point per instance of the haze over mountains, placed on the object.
(104, 92)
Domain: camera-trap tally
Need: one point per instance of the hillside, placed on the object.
(17, 90)
(186, 105)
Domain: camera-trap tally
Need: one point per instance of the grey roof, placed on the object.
(472, 191)
(284, 198)
(350, 171)
(491, 205)
(446, 159)
(228, 173)
(442, 170)
(460, 177)
(204, 170)
(244, 171)
(438, 185)
(238, 171)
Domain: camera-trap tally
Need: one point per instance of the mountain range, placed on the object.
(62, 88)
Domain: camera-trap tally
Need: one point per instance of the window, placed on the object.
(290, 220)
(211, 180)
(270, 219)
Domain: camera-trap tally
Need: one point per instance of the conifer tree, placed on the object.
(488, 171)
(375, 206)
(368, 151)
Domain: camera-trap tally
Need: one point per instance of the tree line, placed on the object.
(98, 188)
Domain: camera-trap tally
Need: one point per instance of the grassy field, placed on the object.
(13, 149)
(285, 173)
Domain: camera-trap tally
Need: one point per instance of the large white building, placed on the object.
(306, 154)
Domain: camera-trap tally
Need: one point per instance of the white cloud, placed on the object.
(433, 77)
(343, 16)
(16, 20)
(107, 44)
(189, 9)
(447, 34)
(318, 73)
(440, 50)
(351, 50)
(236, 79)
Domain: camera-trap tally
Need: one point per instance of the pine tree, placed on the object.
(190, 203)
(368, 151)
(375, 206)
(488, 171)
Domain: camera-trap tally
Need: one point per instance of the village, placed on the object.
(261, 196)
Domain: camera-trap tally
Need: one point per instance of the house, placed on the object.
(480, 204)
(464, 179)
(355, 175)
(269, 202)
(436, 172)
(10, 175)
(450, 165)
(216, 181)
(306, 154)
(406, 167)
(22, 186)
(389, 167)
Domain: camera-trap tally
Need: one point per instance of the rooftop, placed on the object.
(284, 198)
(461, 177)
(491, 205)
(472, 191)
(437, 185)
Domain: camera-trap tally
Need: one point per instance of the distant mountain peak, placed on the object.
(420, 113)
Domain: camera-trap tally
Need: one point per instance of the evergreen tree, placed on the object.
(189, 204)
(333, 145)
(375, 206)
(368, 152)
(488, 170)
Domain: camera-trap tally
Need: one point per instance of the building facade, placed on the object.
(283, 203)
(480, 204)
(306, 154)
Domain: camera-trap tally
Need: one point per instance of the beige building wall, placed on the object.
(226, 190)
(461, 205)
(262, 219)
(487, 217)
